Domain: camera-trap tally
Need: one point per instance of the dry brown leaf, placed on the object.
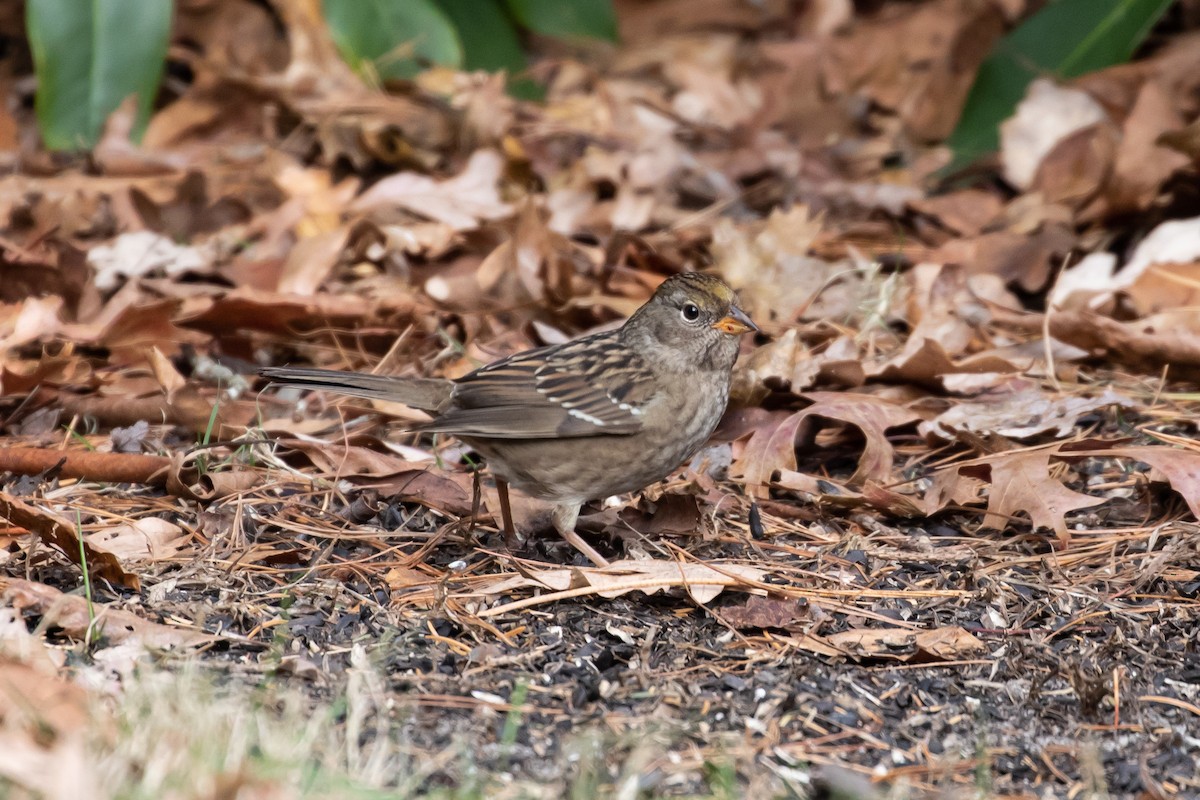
(1021, 415)
(1016, 257)
(1167, 286)
(1130, 343)
(916, 60)
(460, 202)
(871, 415)
(61, 534)
(940, 644)
(702, 582)
(1021, 484)
(833, 494)
(1142, 165)
(359, 456)
(1181, 468)
(448, 492)
(967, 212)
(73, 614)
(766, 612)
(772, 445)
(43, 722)
(1047, 115)
(148, 539)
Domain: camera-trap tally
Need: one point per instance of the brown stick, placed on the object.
(105, 467)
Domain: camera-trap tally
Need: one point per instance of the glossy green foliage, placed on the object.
(89, 57)
(1064, 40)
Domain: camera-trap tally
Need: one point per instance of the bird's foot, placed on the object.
(564, 518)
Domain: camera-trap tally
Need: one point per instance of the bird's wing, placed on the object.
(582, 388)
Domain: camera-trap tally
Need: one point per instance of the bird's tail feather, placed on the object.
(427, 394)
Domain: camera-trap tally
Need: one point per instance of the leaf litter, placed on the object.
(949, 528)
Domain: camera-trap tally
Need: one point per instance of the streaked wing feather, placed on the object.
(582, 388)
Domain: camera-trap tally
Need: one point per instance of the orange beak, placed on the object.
(735, 322)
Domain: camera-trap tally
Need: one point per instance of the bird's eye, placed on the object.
(691, 313)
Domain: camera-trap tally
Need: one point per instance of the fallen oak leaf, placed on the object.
(871, 415)
(772, 447)
(925, 362)
(461, 202)
(1021, 482)
(1180, 467)
(833, 494)
(407, 481)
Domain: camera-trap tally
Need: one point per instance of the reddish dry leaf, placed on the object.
(61, 534)
(45, 706)
(952, 487)
(102, 467)
(1168, 286)
(871, 415)
(358, 456)
(1075, 170)
(1045, 117)
(449, 493)
(1025, 259)
(925, 362)
(420, 482)
(535, 265)
(766, 612)
(916, 60)
(832, 494)
(248, 309)
(1181, 468)
(1142, 165)
(674, 514)
(311, 260)
(1021, 484)
(966, 212)
(772, 446)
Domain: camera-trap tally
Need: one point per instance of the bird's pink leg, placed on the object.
(565, 517)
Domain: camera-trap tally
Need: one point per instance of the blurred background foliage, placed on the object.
(91, 56)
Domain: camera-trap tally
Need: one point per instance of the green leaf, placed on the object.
(1066, 39)
(489, 37)
(567, 18)
(491, 42)
(90, 56)
(393, 38)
